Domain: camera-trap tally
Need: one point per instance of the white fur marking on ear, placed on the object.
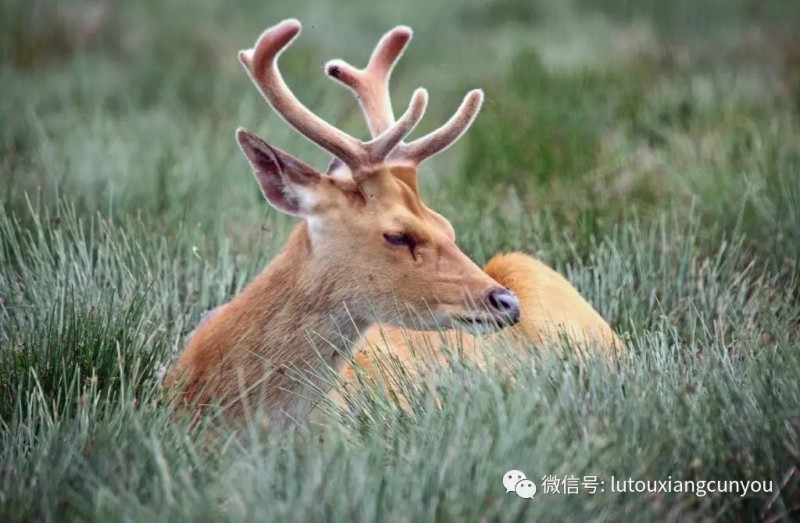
(341, 172)
(306, 198)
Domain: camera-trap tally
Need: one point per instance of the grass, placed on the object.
(652, 159)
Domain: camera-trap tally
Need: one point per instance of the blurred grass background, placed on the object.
(648, 150)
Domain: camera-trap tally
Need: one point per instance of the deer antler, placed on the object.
(371, 84)
(371, 87)
(261, 63)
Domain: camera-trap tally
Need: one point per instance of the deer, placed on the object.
(553, 314)
(367, 250)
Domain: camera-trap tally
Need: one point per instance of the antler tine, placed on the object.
(382, 146)
(371, 84)
(446, 135)
(261, 63)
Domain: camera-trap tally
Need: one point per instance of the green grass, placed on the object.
(650, 154)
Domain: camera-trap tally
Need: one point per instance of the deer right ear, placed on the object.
(288, 184)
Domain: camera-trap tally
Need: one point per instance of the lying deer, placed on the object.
(368, 249)
(553, 313)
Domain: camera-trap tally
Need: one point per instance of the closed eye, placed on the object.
(400, 240)
(403, 240)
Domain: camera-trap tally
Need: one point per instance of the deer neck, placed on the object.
(296, 300)
(275, 339)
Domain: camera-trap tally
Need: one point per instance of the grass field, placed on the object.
(650, 151)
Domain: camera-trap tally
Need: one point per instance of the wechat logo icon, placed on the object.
(516, 481)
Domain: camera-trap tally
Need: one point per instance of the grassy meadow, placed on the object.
(649, 151)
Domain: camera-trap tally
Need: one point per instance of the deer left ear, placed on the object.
(288, 184)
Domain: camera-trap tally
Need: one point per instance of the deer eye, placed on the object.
(400, 240)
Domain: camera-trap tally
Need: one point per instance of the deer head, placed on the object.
(385, 253)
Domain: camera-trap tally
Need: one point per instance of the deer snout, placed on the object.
(504, 304)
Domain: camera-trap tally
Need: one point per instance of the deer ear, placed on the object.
(290, 185)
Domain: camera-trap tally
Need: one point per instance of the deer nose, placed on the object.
(504, 303)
